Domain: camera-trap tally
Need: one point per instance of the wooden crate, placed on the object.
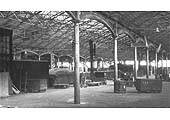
(36, 85)
(119, 86)
(148, 85)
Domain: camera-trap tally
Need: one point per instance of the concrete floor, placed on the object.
(95, 97)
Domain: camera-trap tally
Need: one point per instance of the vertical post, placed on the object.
(156, 64)
(76, 61)
(39, 57)
(162, 66)
(57, 62)
(154, 68)
(167, 66)
(91, 59)
(151, 69)
(25, 87)
(51, 60)
(135, 63)
(72, 67)
(115, 60)
(115, 65)
(147, 62)
(14, 57)
(102, 64)
(20, 75)
(10, 51)
(83, 67)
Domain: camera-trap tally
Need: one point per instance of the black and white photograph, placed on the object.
(84, 58)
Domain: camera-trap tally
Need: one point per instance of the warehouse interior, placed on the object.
(84, 59)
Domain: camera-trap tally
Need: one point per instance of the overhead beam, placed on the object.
(98, 17)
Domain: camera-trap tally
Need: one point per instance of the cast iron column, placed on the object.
(115, 60)
(115, 65)
(167, 66)
(102, 64)
(156, 64)
(162, 66)
(51, 60)
(147, 62)
(91, 59)
(57, 62)
(39, 57)
(76, 62)
(135, 63)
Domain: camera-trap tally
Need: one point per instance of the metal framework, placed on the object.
(44, 31)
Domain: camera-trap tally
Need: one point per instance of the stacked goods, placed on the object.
(99, 76)
(61, 76)
(36, 85)
(59, 71)
(148, 85)
(125, 68)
